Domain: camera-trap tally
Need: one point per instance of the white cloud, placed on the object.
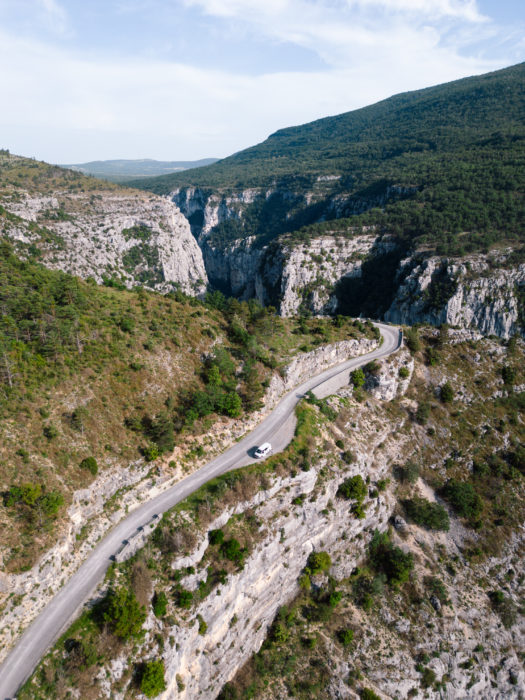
(337, 30)
(55, 14)
(135, 108)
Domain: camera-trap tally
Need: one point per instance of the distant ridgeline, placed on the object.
(441, 167)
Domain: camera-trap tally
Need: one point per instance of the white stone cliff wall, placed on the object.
(484, 299)
(92, 243)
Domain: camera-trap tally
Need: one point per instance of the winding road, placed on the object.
(277, 428)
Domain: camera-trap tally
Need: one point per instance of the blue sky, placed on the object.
(183, 79)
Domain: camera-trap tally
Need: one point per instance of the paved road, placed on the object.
(277, 428)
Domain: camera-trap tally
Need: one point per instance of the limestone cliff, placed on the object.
(480, 292)
(118, 234)
(303, 274)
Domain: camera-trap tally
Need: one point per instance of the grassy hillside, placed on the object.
(88, 371)
(450, 160)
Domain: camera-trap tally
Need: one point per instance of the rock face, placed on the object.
(249, 601)
(477, 292)
(134, 237)
(234, 268)
(205, 210)
(386, 383)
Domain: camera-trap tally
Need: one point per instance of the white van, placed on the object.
(263, 450)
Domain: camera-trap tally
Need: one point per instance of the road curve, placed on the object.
(277, 428)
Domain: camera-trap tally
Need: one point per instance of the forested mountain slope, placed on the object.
(383, 138)
(359, 213)
(454, 154)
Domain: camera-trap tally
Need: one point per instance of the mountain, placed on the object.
(125, 170)
(396, 138)
(364, 212)
(378, 556)
(94, 228)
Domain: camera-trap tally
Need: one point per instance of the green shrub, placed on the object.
(423, 512)
(50, 431)
(318, 562)
(463, 498)
(508, 374)
(357, 378)
(216, 536)
(359, 511)
(50, 502)
(353, 488)
(390, 560)
(404, 372)
(152, 682)
(412, 340)
(123, 614)
(504, 607)
(447, 393)
(334, 598)
(127, 324)
(231, 549)
(408, 474)
(346, 637)
(78, 417)
(160, 431)
(90, 463)
(432, 356)
(348, 457)
(228, 692)
(422, 413)
(436, 587)
(340, 444)
(428, 677)
(150, 453)
(367, 694)
(232, 405)
(184, 598)
(33, 501)
(160, 604)
(203, 627)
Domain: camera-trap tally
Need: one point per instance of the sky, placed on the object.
(85, 80)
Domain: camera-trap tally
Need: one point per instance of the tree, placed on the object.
(412, 340)
(232, 405)
(160, 604)
(357, 378)
(123, 614)
(447, 393)
(153, 682)
(508, 374)
(318, 562)
(463, 498)
(90, 463)
(353, 488)
(390, 560)
(423, 512)
(346, 636)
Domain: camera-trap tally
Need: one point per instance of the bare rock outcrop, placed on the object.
(133, 237)
(478, 292)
